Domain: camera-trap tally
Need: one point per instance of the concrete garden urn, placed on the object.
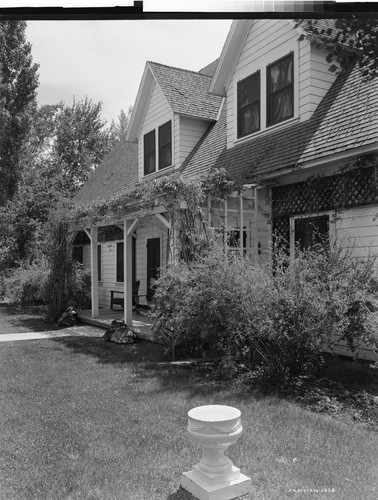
(215, 428)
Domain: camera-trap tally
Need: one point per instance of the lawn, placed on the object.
(83, 419)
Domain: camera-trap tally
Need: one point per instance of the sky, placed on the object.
(105, 60)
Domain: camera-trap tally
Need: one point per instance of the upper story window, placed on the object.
(249, 105)
(280, 91)
(161, 155)
(149, 153)
(266, 97)
(165, 145)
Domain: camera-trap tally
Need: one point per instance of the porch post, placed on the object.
(225, 229)
(94, 271)
(256, 240)
(127, 273)
(241, 230)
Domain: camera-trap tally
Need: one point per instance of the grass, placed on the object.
(83, 419)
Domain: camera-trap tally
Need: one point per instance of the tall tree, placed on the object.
(81, 141)
(18, 87)
(118, 131)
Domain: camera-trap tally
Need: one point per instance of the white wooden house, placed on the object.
(271, 113)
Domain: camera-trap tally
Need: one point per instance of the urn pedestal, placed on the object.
(215, 428)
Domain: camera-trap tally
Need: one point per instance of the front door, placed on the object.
(153, 264)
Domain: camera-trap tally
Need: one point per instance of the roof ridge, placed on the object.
(179, 69)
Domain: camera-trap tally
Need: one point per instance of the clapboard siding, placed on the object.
(357, 230)
(158, 112)
(268, 41)
(191, 131)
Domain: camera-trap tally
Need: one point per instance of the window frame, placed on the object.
(149, 153)
(167, 144)
(281, 90)
(316, 215)
(251, 104)
(118, 260)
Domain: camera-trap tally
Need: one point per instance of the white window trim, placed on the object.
(155, 128)
(332, 216)
(261, 65)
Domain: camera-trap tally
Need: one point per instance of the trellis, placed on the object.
(351, 188)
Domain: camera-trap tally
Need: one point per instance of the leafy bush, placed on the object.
(26, 284)
(271, 323)
(80, 288)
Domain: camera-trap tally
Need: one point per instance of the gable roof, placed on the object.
(345, 120)
(187, 93)
(236, 38)
(117, 173)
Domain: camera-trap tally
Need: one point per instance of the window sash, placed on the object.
(149, 153)
(280, 90)
(165, 145)
(248, 93)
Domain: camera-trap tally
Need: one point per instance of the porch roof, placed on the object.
(346, 119)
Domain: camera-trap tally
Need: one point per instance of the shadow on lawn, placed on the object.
(147, 361)
(23, 319)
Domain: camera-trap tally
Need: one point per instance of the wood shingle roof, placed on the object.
(346, 119)
(187, 91)
(117, 174)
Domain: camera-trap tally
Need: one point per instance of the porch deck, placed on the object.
(142, 325)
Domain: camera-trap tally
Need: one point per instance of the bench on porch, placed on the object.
(119, 301)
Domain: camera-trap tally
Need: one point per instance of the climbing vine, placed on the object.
(355, 38)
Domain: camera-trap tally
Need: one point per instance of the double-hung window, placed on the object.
(280, 90)
(158, 156)
(165, 145)
(149, 153)
(249, 105)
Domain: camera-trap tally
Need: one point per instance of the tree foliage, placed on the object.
(17, 97)
(118, 131)
(349, 39)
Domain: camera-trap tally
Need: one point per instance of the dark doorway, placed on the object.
(153, 264)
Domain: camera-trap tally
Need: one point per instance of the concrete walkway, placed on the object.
(74, 331)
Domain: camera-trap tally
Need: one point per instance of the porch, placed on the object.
(141, 325)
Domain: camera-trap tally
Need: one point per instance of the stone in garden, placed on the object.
(119, 333)
(215, 428)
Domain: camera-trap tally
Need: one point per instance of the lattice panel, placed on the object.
(351, 189)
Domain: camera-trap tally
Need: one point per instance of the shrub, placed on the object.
(26, 284)
(80, 288)
(276, 323)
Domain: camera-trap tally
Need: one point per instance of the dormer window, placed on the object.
(280, 90)
(165, 145)
(249, 105)
(149, 153)
(157, 158)
(266, 97)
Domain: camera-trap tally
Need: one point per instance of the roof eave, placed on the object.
(140, 105)
(231, 49)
